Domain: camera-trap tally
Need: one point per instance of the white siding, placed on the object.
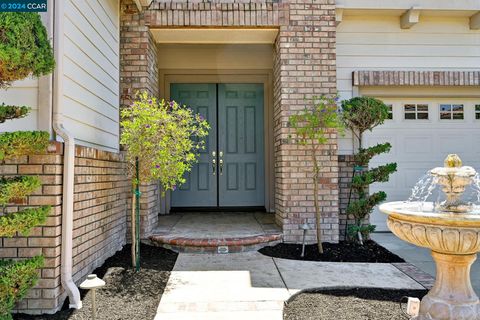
(21, 93)
(378, 43)
(91, 72)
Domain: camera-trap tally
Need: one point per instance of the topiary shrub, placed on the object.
(361, 114)
(24, 51)
(24, 47)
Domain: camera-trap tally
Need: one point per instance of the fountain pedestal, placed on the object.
(452, 296)
(454, 240)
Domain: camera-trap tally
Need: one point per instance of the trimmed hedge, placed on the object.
(19, 143)
(24, 47)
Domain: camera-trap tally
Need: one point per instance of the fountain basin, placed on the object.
(441, 232)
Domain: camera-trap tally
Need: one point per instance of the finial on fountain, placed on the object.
(453, 161)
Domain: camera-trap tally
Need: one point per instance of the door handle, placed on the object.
(214, 166)
(221, 166)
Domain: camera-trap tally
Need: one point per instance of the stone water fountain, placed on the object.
(450, 227)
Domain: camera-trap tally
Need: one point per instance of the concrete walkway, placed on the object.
(419, 257)
(252, 286)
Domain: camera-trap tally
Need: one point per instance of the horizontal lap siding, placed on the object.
(378, 43)
(91, 72)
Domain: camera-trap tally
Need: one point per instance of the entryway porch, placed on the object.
(216, 232)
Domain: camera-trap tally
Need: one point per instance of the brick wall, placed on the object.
(304, 67)
(139, 72)
(99, 218)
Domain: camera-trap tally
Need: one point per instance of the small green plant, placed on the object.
(18, 143)
(361, 114)
(24, 51)
(24, 47)
(162, 140)
(311, 128)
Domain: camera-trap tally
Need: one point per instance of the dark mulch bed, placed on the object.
(348, 304)
(344, 251)
(127, 294)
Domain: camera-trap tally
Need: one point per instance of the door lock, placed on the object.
(221, 166)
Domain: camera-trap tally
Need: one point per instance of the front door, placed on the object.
(230, 171)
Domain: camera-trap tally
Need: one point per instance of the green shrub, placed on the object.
(24, 47)
(18, 143)
(12, 112)
(22, 221)
(16, 278)
(17, 188)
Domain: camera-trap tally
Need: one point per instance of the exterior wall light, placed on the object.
(92, 283)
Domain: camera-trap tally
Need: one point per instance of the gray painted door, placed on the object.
(230, 172)
(200, 189)
(240, 145)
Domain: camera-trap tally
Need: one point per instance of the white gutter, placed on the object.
(68, 160)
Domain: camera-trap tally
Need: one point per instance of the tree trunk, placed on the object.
(318, 214)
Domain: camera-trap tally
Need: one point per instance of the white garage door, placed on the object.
(422, 132)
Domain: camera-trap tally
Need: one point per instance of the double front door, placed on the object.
(230, 171)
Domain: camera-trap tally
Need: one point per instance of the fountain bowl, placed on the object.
(442, 232)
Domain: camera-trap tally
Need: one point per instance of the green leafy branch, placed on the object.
(16, 278)
(17, 188)
(18, 143)
(22, 221)
(12, 112)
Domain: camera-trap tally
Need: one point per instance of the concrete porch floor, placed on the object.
(207, 231)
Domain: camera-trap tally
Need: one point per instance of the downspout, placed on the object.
(68, 161)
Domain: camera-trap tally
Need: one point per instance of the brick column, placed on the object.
(304, 67)
(139, 72)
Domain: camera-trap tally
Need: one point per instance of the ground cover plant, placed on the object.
(24, 51)
(311, 130)
(162, 140)
(361, 114)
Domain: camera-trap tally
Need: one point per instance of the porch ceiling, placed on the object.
(215, 35)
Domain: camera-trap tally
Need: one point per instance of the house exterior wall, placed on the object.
(100, 205)
(91, 72)
(304, 66)
(372, 42)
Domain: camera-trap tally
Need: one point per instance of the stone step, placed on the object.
(215, 245)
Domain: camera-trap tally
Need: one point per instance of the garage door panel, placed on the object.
(419, 145)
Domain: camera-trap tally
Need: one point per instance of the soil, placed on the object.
(344, 251)
(127, 294)
(348, 304)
